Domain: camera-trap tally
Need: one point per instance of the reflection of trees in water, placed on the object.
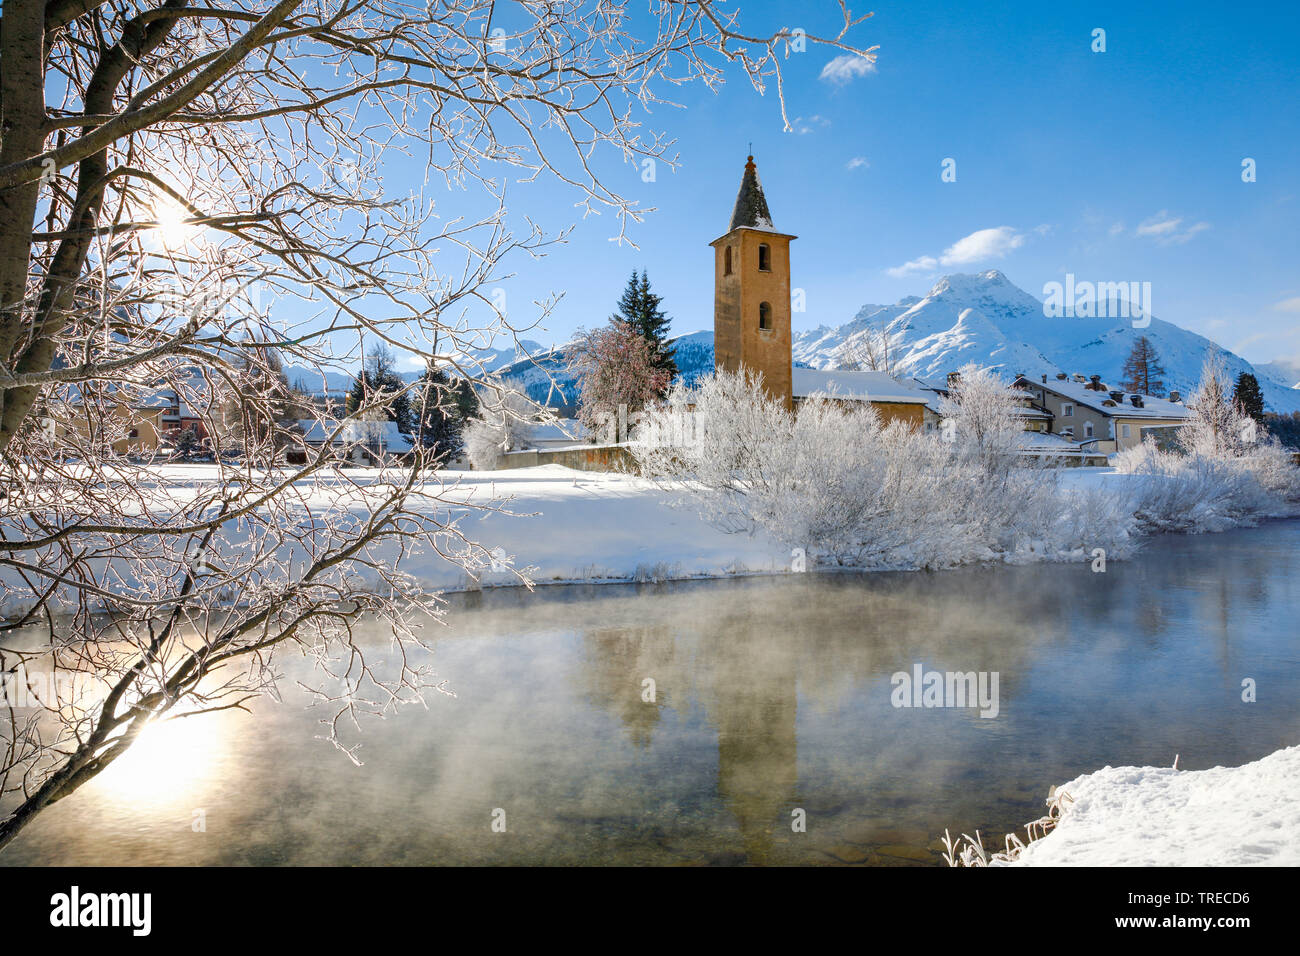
(616, 662)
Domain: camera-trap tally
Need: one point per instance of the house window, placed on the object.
(1087, 429)
(1125, 431)
(764, 257)
(726, 262)
(1067, 410)
(764, 316)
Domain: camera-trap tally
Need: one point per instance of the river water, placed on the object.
(772, 736)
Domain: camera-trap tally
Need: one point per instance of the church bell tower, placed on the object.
(751, 292)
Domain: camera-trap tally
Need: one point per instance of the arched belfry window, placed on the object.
(726, 261)
(764, 316)
(764, 257)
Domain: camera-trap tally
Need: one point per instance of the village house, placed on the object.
(378, 441)
(1084, 409)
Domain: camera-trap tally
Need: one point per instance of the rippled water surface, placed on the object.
(772, 695)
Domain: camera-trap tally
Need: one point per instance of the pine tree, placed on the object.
(1246, 395)
(1142, 370)
(378, 381)
(440, 419)
(187, 444)
(640, 308)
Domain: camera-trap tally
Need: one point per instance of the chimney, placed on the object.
(1044, 378)
(1175, 396)
(1136, 400)
(953, 379)
(1117, 396)
(1095, 384)
(1060, 376)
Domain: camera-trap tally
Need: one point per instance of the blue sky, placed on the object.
(1124, 165)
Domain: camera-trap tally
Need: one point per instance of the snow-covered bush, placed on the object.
(1190, 493)
(835, 482)
(979, 416)
(504, 423)
(1225, 472)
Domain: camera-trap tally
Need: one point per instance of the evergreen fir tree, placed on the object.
(439, 419)
(640, 308)
(1246, 394)
(378, 378)
(1142, 370)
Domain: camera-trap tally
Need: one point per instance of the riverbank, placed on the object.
(1159, 816)
(554, 525)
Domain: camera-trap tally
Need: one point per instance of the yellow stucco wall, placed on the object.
(737, 337)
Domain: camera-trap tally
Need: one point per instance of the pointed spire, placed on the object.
(751, 205)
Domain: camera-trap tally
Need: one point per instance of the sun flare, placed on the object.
(173, 229)
(170, 759)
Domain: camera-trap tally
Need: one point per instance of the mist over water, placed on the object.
(771, 695)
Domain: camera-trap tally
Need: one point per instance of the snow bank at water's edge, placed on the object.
(1158, 816)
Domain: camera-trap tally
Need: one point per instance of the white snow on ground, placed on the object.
(562, 526)
(1154, 816)
(586, 526)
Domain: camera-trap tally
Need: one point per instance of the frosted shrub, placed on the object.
(1193, 493)
(1271, 464)
(851, 491)
(980, 413)
(505, 423)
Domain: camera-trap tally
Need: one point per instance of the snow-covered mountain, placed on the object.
(1281, 370)
(987, 319)
(478, 361)
(982, 318)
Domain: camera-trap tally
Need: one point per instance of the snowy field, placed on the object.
(556, 525)
(1154, 816)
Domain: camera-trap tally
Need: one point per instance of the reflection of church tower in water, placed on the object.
(751, 292)
(753, 704)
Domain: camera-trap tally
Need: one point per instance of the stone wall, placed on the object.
(579, 458)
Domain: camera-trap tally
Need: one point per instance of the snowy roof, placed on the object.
(855, 386)
(1045, 440)
(751, 205)
(315, 432)
(931, 384)
(1152, 407)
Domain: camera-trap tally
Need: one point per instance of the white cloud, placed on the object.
(1288, 305)
(1166, 229)
(978, 246)
(984, 244)
(923, 264)
(846, 68)
(857, 162)
(802, 126)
